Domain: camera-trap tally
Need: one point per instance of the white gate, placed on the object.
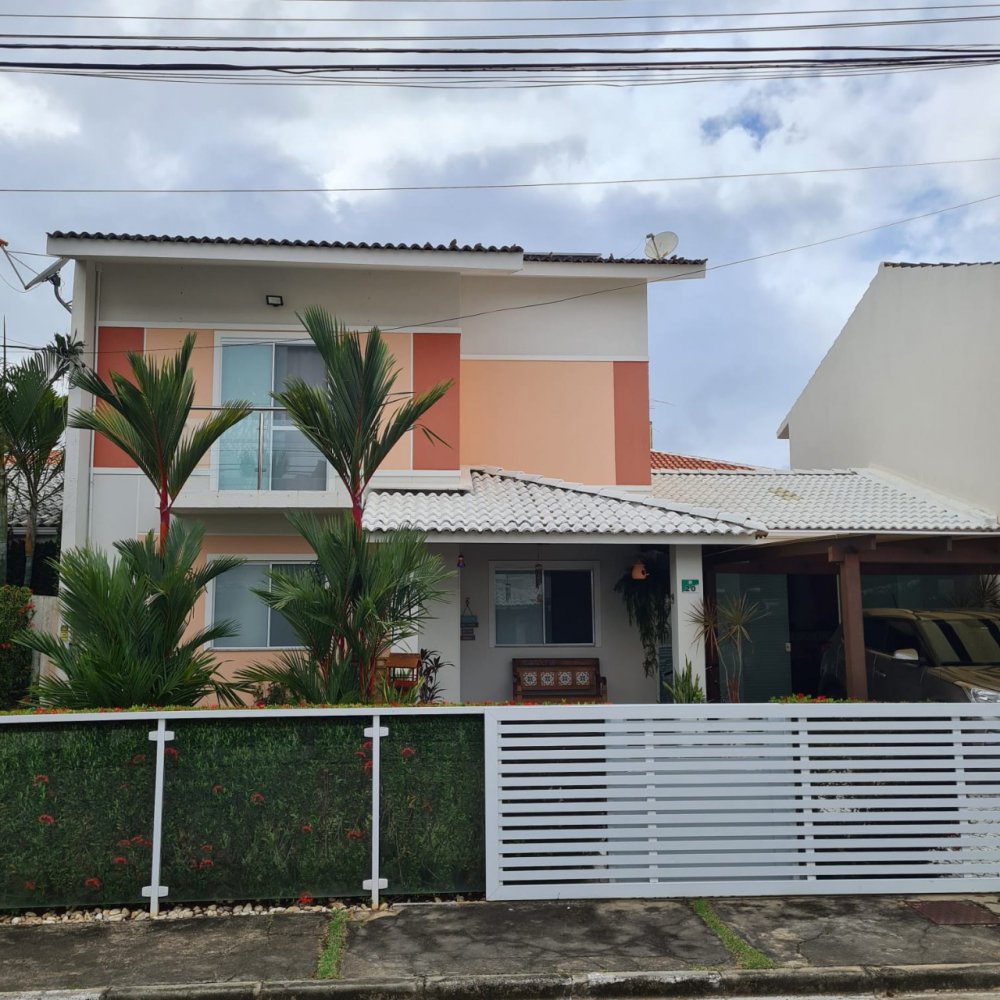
(689, 800)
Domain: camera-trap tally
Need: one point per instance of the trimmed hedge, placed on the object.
(257, 808)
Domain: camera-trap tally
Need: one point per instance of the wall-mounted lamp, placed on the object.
(460, 562)
(274, 300)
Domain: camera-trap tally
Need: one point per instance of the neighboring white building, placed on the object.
(910, 385)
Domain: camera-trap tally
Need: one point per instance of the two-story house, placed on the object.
(540, 498)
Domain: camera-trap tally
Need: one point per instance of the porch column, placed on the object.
(687, 587)
(441, 632)
(853, 625)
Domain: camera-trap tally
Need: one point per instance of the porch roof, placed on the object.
(860, 500)
(514, 503)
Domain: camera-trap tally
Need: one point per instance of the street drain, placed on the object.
(954, 912)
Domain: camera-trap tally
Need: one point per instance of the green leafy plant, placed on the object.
(348, 608)
(745, 954)
(431, 665)
(16, 612)
(686, 688)
(725, 627)
(361, 596)
(128, 640)
(148, 417)
(648, 602)
(332, 954)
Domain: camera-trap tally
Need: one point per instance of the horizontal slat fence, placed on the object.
(689, 800)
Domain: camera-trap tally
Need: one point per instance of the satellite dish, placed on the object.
(660, 245)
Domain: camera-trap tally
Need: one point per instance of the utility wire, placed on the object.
(512, 186)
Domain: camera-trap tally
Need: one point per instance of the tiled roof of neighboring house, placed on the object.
(822, 500)
(49, 511)
(502, 502)
(670, 460)
(959, 263)
(454, 245)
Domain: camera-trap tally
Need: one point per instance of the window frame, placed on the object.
(258, 560)
(548, 564)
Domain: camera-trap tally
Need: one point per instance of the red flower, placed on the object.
(359, 753)
(119, 860)
(367, 766)
(171, 752)
(138, 758)
(206, 848)
(46, 820)
(305, 899)
(407, 751)
(306, 828)
(259, 704)
(138, 839)
(124, 843)
(216, 789)
(92, 883)
(367, 745)
(256, 798)
(206, 863)
(355, 834)
(29, 884)
(40, 779)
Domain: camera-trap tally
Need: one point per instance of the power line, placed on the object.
(512, 186)
(636, 284)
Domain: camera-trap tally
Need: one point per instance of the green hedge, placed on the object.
(259, 808)
(16, 612)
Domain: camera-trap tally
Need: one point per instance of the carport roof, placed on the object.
(842, 500)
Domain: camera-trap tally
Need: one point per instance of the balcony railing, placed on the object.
(266, 451)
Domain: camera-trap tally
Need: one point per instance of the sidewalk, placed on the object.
(845, 944)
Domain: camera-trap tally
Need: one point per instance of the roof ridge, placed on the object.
(640, 499)
(760, 470)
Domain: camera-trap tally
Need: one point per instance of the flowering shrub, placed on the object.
(16, 612)
(810, 699)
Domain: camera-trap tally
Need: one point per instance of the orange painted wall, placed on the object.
(436, 358)
(112, 344)
(550, 418)
(632, 423)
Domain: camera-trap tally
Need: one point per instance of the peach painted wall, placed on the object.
(113, 342)
(436, 358)
(632, 423)
(401, 346)
(550, 418)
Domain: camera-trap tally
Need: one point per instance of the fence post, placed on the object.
(491, 790)
(160, 736)
(375, 734)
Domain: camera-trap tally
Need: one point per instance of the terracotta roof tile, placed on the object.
(670, 460)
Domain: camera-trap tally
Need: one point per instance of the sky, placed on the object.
(728, 354)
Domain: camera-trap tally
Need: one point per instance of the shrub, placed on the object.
(256, 808)
(16, 612)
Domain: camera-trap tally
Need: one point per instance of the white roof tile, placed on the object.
(514, 503)
(821, 500)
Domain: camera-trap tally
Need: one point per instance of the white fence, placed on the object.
(685, 800)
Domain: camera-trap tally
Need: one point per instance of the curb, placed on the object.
(596, 986)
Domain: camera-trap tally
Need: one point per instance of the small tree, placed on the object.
(147, 417)
(32, 423)
(127, 623)
(725, 627)
(363, 595)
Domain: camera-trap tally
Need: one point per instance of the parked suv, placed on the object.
(923, 656)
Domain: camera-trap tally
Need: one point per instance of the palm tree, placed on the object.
(354, 418)
(347, 609)
(32, 422)
(362, 595)
(147, 416)
(128, 624)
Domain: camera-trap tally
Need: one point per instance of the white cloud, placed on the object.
(28, 113)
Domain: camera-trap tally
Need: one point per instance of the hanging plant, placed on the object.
(648, 602)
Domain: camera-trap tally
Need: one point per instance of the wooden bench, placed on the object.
(571, 678)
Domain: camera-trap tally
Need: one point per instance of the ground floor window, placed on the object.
(234, 600)
(543, 605)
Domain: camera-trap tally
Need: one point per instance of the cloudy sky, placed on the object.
(729, 354)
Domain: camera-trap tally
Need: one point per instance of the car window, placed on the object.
(968, 641)
(893, 635)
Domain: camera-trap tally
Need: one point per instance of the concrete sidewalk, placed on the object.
(847, 944)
